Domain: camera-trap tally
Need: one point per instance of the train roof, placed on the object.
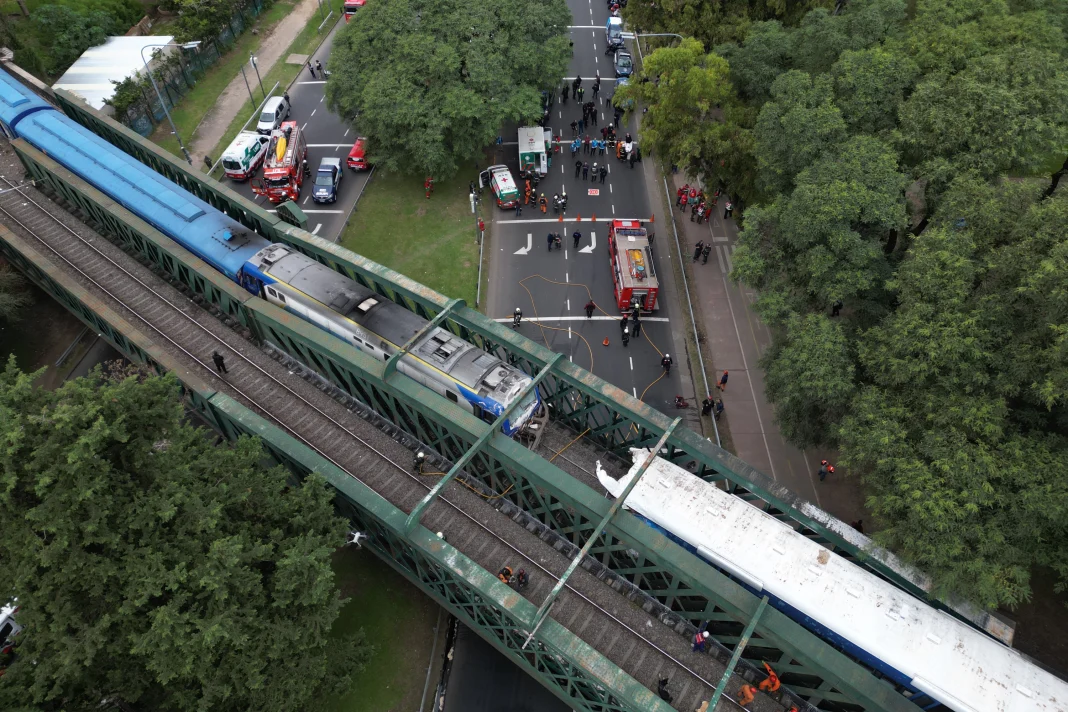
(961, 667)
(177, 213)
(17, 101)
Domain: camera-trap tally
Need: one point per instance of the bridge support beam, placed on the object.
(460, 464)
(543, 611)
(746, 634)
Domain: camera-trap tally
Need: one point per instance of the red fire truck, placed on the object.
(633, 273)
(283, 170)
(351, 6)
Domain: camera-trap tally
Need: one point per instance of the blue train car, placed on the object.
(17, 102)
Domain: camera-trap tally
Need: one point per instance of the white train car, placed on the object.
(945, 663)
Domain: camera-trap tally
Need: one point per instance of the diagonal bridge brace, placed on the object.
(737, 655)
(391, 363)
(543, 611)
(460, 464)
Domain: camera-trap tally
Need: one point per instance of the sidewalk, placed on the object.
(215, 123)
(734, 340)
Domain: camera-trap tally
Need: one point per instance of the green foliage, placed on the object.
(869, 86)
(65, 33)
(154, 568)
(433, 83)
(202, 19)
(14, 297)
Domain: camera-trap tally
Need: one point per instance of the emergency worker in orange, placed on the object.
(527, 200)
(746, 695)
(772, 684)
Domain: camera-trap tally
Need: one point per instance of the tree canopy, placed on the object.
(903, 160)
(154, 569)
(433, 82)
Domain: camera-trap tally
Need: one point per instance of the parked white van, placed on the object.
(275, 111)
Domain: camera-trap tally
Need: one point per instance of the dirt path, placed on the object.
(275, 44)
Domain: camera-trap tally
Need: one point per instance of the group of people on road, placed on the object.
(597, 172)
(520, 579)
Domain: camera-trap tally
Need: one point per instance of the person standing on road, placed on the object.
(722, 385)
(518, 208)
(576, 236)
(574, 129)
(219, 361)
(596, 85)
(637, 327)
(635, 311)
(624, 322)
(697, 249)
(585, 170)
(581, 92)
(582, 125)
(549, 240)
(706, 405)
(544, 203)
(564, 92)
(319, 67)
(586, 143)
(625, 337)
(666, 363)
(728, 210)
(680, 195)
(706, 252)
(594, 170)
(311, 69)
(578, 168)
(574, 87)
(603, 171)
(590, 306)
(517, 318)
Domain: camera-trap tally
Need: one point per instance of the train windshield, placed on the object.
(525, 409)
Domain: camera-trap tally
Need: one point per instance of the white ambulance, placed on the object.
(245, 155)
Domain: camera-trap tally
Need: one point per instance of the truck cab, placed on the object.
(500, 180)
(283, 170)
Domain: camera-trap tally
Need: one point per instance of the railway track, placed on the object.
(632, 639)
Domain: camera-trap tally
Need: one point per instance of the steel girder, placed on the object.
(657, 566)
(615, 419)
(571, 669)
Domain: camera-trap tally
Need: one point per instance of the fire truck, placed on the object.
(633, 273)
(351, 6)
(283, 170)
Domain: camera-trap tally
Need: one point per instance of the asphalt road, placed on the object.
(554, 287)
(327, 135)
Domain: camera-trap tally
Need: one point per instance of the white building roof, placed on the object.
(91, 76)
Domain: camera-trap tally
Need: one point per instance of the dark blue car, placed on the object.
(327, 180)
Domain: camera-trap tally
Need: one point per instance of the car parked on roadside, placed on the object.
(357, 159)
(624, 64)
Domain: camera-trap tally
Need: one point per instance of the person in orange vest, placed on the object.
(543, 203)
(505, 575)
(700, 638)
(746, 693)
(772, 684)
(527, 201)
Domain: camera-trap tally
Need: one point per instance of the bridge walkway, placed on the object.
(635, 641)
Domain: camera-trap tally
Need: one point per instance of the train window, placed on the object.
(365, 306)
(452, 396)
(356, 339)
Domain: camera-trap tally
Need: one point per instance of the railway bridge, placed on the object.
(612, 605)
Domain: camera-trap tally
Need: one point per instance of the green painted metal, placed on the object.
(684, 584)
(391, 363)
(578, 674)
(292, 214)
(489, 432)
(543, 611)
(613, 417)
(737, 654)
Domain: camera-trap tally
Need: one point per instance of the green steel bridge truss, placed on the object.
(578, 399)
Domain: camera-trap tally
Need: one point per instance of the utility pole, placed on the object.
(252, 61)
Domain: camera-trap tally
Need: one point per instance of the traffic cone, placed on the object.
(605, 341)
(578, 218)
(652, 218)
(561, 218)
(594, 218)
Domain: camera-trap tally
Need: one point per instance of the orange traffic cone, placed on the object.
(561, 218)
(652, 218)
(578, 218)
(606, 341)
(594, 218)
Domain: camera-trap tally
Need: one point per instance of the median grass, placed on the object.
(431, 241)
(305, 43)
(399, 621)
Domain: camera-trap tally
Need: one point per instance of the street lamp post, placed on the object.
(252, 61)
(162, 101)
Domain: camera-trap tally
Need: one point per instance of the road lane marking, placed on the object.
(657, 319)
(305, 124)
(306, 200)
(569, 305)
(634, 391)
(316, 230)
(322, 82)
(613, 209)
(719, 256)
(631, 362)
(566, 280)
(321, 100)
(312, 113)
(346, 133)
(610, 188)
(530, 244)
(727, 254)
(569, 333)
(592, 246)
(317, 212)
(565, 220)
